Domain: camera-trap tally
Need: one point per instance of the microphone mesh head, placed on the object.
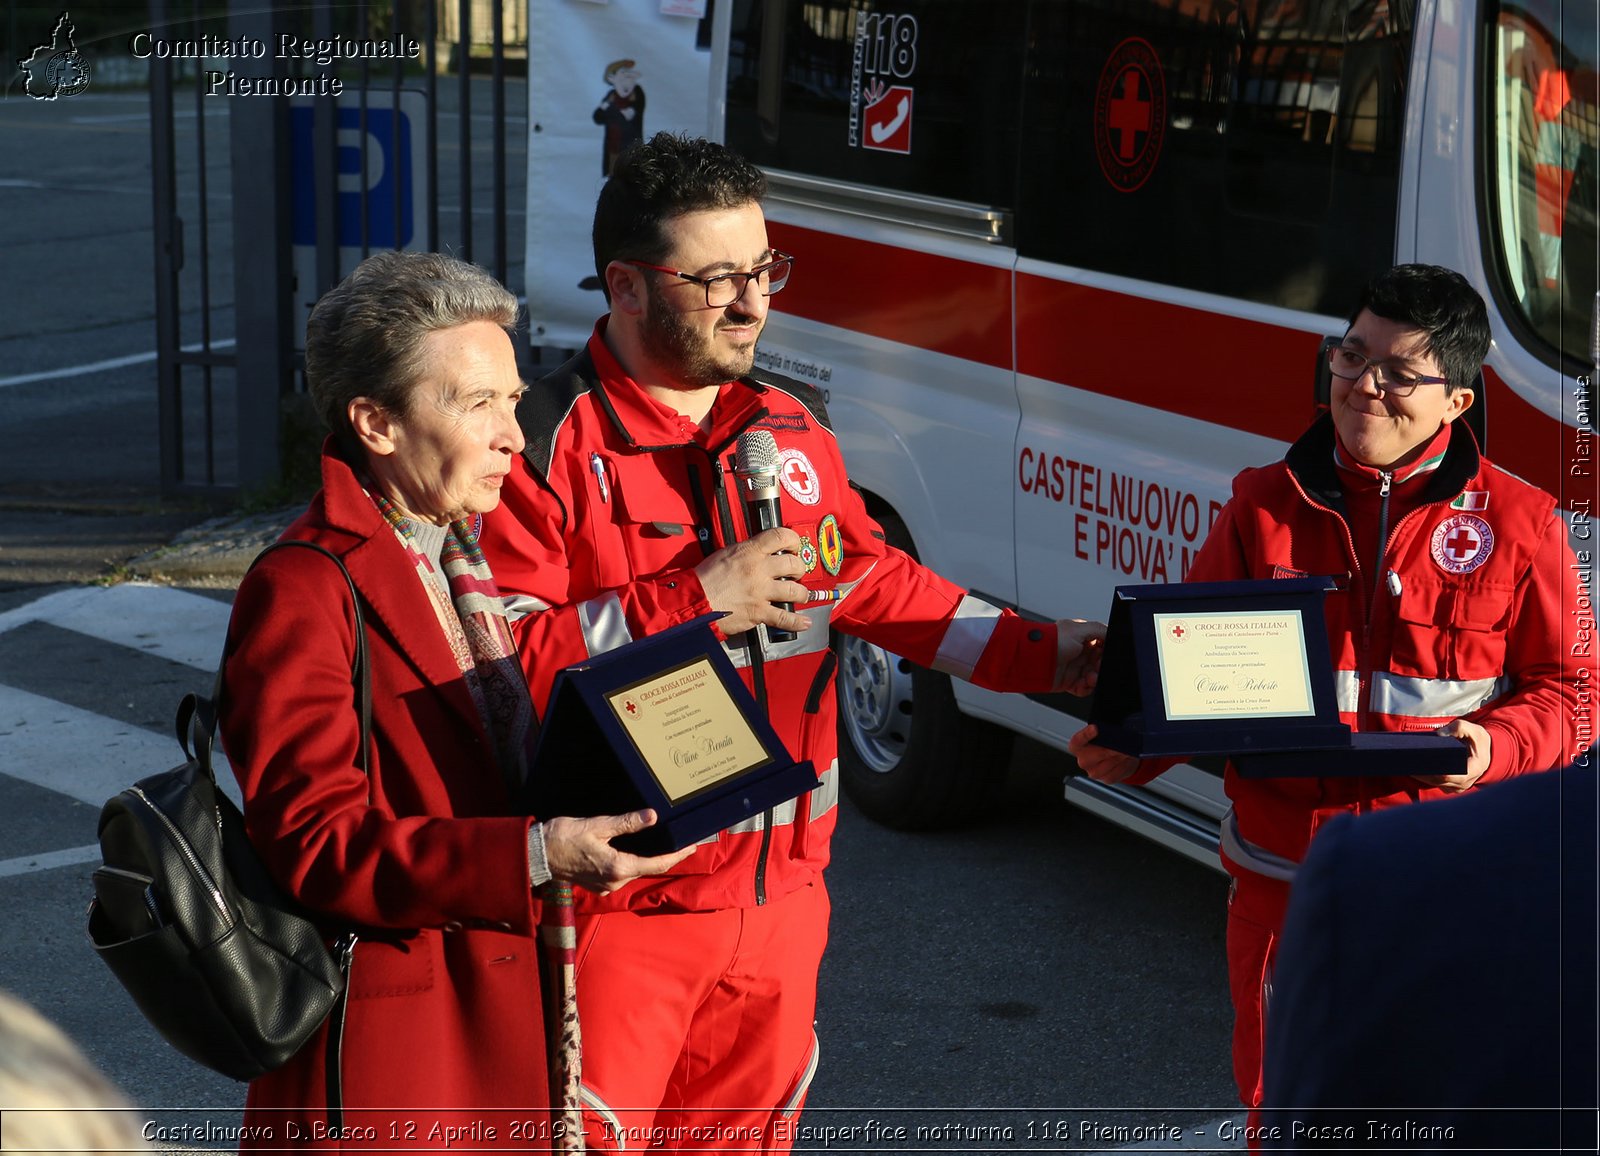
(757, 453)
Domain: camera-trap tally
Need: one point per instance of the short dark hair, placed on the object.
(1441, 303)
(364, 337)
(661, 178)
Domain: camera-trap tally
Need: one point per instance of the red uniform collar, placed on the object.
(1356, 475)
(646, 422)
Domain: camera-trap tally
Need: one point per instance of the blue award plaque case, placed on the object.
(587, 762)
(1131, 705)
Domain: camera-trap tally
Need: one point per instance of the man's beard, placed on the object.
(679, 347)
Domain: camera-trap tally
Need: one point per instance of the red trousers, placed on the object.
(698, 1028)
(1256, 907)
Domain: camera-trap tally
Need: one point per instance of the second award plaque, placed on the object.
(663, 722)
(1241, 669)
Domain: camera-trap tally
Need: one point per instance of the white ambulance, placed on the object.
(1064, 267)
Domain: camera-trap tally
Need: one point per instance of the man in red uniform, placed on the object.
(697, 989)
(1456, 588)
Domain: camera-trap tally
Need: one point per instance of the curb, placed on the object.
(216, 552)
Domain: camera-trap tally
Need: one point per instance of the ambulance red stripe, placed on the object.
(1104, 342)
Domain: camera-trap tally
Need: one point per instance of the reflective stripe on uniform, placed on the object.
(605, 626)
(805, 641)
(600, 1108)
(1400, 694)
(966, 636)
(845, 589)
(782, 815)
(1347, 691)
(824, 799)
(1408, 696)
(522, 605)
(1251, 857)
(812, 641)
(798, 1097)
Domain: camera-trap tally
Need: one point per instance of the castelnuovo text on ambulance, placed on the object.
(1064, 267)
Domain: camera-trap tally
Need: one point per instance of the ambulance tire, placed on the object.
(908, 756)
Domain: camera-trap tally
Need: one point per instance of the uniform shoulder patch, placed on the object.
(787, 422)
(807, 395)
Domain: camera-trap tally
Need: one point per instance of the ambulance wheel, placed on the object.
(908, 757)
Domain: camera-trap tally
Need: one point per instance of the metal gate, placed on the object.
(264, 201)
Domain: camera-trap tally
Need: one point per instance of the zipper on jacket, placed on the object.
(1385, 481)
(1364, 707)
(1368, 602)
(724, 517)
(758, 670)
(702, 511)
(344, 950)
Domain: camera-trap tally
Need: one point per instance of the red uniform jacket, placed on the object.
(602, 529)
(444, 998)
(1469, 617)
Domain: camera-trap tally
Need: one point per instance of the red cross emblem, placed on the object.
(1178, 631)
(799, 477)
(1130, 114)
(1461, 543)
(630, 707)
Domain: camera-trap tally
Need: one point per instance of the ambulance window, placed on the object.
(1242, 147)
(917, 96)
(1544, 125)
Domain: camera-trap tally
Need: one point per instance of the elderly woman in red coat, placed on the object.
(425, 859)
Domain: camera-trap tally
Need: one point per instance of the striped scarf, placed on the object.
(474, 622)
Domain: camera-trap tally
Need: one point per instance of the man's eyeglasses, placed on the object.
(724, 289)
(1386, 376)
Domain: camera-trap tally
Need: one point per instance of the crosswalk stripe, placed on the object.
(84, 755)
(49, 860)
(160, 620)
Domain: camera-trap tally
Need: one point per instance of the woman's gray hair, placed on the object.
(54, 1099)
(364, 338)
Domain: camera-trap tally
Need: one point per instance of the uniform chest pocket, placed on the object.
(654, 513)
(1453, 630)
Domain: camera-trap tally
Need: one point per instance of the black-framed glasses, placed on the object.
(1387, 377)
(724, 289)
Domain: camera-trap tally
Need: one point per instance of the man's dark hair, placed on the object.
(1441, 303)
(661, 178)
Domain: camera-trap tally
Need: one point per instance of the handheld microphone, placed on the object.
(755, 472)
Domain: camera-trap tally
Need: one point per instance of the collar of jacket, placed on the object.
(548, 404)
(642, 423)
(1310, 460)
(351, 526)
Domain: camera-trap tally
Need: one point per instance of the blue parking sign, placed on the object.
(389, 162)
